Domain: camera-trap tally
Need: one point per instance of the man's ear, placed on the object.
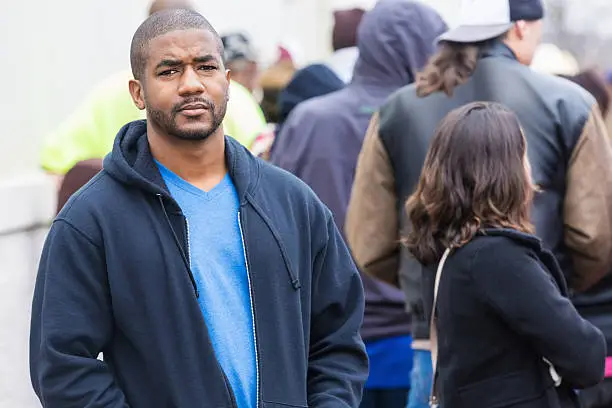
(520, 29)
(137, 93)
(228, 76)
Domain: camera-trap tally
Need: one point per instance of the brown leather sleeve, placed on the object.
(371, 227)
(588, 204)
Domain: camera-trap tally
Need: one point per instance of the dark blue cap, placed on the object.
(529, 10)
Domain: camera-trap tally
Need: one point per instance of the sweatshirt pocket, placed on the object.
(519, 387)
(281, 405)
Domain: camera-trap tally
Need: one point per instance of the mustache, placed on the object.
(206, 102)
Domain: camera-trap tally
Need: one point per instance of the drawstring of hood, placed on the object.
(180, 247)
(295, 282)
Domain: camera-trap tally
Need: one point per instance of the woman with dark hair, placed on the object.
(507, 335)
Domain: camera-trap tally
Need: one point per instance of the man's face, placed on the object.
(185, 85)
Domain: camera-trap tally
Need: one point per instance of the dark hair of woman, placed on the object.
(476, 175)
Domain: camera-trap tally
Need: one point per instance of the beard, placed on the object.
(167, 121)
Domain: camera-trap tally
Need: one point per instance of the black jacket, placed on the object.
(114, 278)
(570, 155)
(502, 306)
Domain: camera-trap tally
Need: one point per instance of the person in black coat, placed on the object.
(507, 334)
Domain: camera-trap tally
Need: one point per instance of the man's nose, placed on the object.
(191, 83)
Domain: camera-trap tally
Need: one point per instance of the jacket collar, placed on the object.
(497, 49)
(535, 244)
(523, 238)
(243, 168)
(132, 163)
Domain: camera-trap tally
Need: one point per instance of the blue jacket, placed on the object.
(114, 278)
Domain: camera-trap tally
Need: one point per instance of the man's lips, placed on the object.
(193, 109)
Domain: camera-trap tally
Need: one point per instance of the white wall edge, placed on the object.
(27, 203)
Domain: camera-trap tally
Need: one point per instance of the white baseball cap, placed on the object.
(481, 20)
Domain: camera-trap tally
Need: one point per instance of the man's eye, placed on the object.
(207, 68)
(168, 72)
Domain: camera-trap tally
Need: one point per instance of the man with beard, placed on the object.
(205, 276)
(89, 132)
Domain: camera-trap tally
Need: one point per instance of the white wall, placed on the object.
(52, 52)
(25, 209)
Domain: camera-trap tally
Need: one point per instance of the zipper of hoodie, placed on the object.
(186, 256)
(225, 379)
(188, 244)
(187, 260)
(251, 295)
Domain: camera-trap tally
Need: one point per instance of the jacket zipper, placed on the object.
(187, 260)
(188, 244)
(225, 379)
(246, 262)
(186, 257)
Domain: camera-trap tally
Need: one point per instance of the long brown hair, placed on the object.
(452, 65)
(475, 175)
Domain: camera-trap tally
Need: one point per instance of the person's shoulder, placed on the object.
(486, 242)
(500, 250)
(321, 106)
(280, 188)
(315, 118)
(274, 179)
(559, 89)
(400, 104)
(89, 204)
(405, 94)
(290, 205)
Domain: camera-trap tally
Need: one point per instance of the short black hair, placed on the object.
(161, 23)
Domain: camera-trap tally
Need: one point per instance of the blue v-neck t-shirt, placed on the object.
(217, 258)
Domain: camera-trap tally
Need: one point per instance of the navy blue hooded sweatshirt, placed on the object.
(114, 278)
(322, 138)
